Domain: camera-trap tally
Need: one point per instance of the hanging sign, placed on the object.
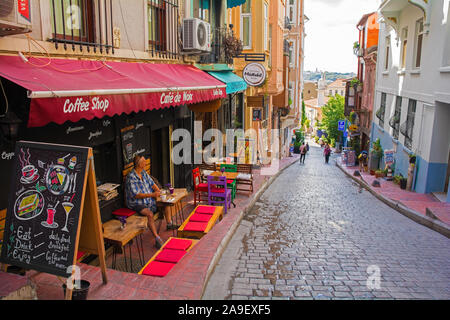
(341, 125)
(24, 9)
(254, 74)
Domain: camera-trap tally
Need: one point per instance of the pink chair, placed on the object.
(218, 192)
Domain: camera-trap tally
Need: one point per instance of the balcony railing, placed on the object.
(83, 23)
(217, 54)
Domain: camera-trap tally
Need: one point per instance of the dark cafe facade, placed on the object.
(119, 109)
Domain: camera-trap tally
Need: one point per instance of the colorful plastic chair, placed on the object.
(230, 183)
(199, 187)
(218, 193)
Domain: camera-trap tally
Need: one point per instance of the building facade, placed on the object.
(412, 99)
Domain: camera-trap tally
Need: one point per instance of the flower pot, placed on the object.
(372, 172)
(79, 293)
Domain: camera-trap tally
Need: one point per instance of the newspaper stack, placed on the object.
(107, 191)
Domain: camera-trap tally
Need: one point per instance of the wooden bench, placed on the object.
(218, 215)
(194, 242)
(245, 177)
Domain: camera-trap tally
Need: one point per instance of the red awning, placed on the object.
(70, 90)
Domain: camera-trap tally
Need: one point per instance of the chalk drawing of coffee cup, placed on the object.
(28, 171)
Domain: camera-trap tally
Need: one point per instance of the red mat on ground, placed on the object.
(178, 244)
(170, 255)
(198, 217)
(158, 269)
(206, 210)
(195, 226)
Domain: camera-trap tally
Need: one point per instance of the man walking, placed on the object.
(303, 151)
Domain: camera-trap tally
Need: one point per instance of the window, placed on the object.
(404, 47)
(292, 16)
(162, 27)
(246, 24)
(387, 53)
(381, 112)
(202, 9)
(73, 20)
(270, 45)
(408, 127)
(156, 24)
(266, 25)
(330, 93)
(446, 55)
(395, 120)
(419, 41)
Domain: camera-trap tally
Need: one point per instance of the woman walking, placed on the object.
(327, 152)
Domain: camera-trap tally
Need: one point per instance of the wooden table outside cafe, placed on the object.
(173, 203)
(113, 233)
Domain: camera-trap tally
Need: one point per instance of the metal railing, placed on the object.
(164, 29)
(84, 23)
(217, 54)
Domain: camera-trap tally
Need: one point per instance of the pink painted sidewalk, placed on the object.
(415, 201)
(185, 281)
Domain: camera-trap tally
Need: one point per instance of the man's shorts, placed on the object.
(138, 208)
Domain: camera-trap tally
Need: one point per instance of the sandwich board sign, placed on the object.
(52, 210)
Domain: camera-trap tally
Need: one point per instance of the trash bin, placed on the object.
(79, 293)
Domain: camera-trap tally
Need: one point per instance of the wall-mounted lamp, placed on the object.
(9, 125)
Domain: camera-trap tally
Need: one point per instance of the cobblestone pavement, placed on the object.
(315, 234)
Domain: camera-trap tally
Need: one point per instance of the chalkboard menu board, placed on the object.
(44, 205)
(135, 141)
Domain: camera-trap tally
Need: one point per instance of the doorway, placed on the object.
(160, 155)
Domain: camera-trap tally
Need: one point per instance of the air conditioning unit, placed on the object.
(15, 17)
(196, 35)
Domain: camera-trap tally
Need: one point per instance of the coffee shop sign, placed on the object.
(254, 74)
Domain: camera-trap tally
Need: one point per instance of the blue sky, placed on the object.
(331, 32)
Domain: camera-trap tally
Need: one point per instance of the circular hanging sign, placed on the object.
(254, 74)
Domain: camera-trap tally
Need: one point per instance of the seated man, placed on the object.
(141, 194)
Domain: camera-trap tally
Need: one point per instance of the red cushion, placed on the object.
(203, 185)
(169, 255)
(178, 244)
(230, 181)
(80, 254)
(205, 209)
(158, 269)
(217, 190)
(198, 217)
(195, 226)
(124, 212)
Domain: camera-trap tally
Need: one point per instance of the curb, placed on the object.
(226, 239)
(426, 221)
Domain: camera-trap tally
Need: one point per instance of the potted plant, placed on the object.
(379, 174)
(397, 179)
(375, 155)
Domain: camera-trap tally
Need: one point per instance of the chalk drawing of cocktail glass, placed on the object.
(68, 206)
(50, 223)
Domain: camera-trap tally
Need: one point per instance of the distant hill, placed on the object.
(331, 76)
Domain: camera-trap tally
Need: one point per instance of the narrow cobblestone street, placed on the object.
(315, 234)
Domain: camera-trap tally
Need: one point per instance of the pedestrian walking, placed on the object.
(307, 147)
(327, 152)
(303, 151)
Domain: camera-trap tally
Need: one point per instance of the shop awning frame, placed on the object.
(70, 90)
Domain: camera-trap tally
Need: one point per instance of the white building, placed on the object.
(412, 99)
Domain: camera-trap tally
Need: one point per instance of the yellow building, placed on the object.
(260, 26)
